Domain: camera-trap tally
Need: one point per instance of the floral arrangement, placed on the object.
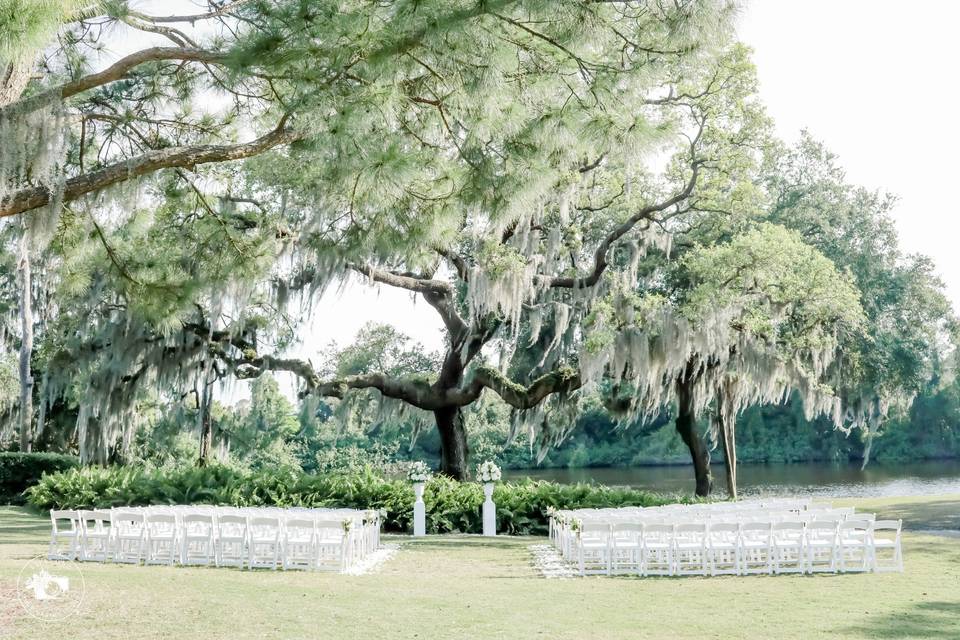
(488, 472)
(418, 472)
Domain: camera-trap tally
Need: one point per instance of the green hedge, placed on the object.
(18, 471)
(451, 506)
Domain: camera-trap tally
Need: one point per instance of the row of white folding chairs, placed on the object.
(563, 526)
(779, 506)
(305, 539)
(717, 548)
(364, 526)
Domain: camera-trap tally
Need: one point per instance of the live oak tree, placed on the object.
(501, 175)
(757, 318)
(909, 325)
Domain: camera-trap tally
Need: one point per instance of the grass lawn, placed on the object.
(469, 587)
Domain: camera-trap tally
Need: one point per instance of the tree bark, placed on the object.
(14, 77)
(26, 345)
(206, 428)
(453, 442)
(686, 424)
(143, 164)
(726, 430)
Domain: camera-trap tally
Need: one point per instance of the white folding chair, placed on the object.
(231, 540)
(197, 545)
(64, 535)
(332, 550)
(299, 544)
(853, 545)
(264, 542)
(593, 548)
(626, 547)
(756, 548)
(129, 537)
(96, 537)
(723, 548)
(788, 547)
(886, 554)
(657, 555)
(690, 549)
(821, 545)
(162, 543)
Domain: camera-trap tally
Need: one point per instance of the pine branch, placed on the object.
(36, 197)
(114, 72)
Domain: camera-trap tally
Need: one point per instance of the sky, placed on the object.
(873, 79)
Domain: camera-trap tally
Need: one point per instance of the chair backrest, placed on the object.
(757, 530)
(822, 528)
(264, 526)
(98, 518)
(788, 529)
(63, 515)
(161, 522)
(232, 524)
(127, 520)
(887, 527)
(856, 526)
(329, 528)
(723, 529)
(197, 523)
(200, 518)
(827, 516)
(691, 529)
(595, 528)
(298, 527)
(627, 528)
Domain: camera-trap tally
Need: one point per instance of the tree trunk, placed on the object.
(26, 345)
(206, 425)
(14, 77)
(453, 442)
(726, 430)
(686, 424)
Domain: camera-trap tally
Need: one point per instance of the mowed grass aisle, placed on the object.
(468, 587)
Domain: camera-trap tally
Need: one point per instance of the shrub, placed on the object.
(18, 471)
(451, 506)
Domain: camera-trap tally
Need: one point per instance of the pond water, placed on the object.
(816, 479)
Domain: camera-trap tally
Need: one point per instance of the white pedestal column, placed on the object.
(489, 511)
(419, 511)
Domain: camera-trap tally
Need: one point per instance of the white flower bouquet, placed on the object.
(488, 472)
(418, 472)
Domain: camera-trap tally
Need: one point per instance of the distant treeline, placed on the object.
(764, 434)
(270, 430)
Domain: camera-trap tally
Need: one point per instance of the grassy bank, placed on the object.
(465, 586)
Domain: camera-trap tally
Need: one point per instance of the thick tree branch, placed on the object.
(222, 11)
(600, 255)
(408, 281)
(516, 395)
(115, 72)
(35, 197)
(413, 391)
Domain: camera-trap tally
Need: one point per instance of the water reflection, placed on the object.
(818, 479)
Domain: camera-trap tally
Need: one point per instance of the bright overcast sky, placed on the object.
(873, 79)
